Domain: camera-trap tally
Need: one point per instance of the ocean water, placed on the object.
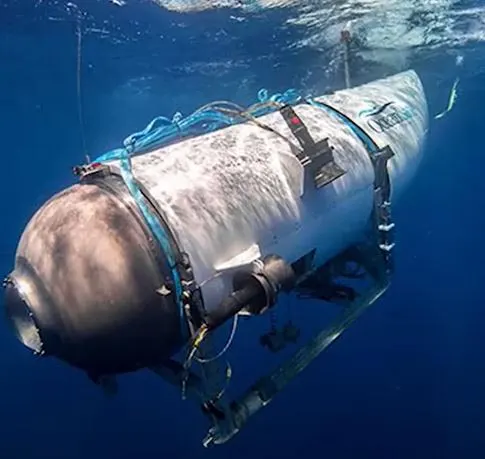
(406, 380)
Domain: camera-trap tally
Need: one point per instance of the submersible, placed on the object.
(162, 242)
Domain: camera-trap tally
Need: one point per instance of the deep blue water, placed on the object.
(406, 381)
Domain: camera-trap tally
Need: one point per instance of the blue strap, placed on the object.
(365, 138)
(155, 226)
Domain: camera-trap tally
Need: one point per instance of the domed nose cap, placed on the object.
(94, 276)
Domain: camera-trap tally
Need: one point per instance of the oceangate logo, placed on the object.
(382, 117)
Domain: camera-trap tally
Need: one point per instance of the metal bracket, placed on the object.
(316, 157)
(91, 169)
(383, 223)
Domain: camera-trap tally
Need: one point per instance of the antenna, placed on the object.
(345, 39)
(78, 86)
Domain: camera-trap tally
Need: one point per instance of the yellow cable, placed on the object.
(451, 100)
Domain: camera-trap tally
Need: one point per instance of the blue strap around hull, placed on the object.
(365, 138)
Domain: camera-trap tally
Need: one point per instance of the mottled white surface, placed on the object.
(224, 191)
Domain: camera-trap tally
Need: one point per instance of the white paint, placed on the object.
(227, 192)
